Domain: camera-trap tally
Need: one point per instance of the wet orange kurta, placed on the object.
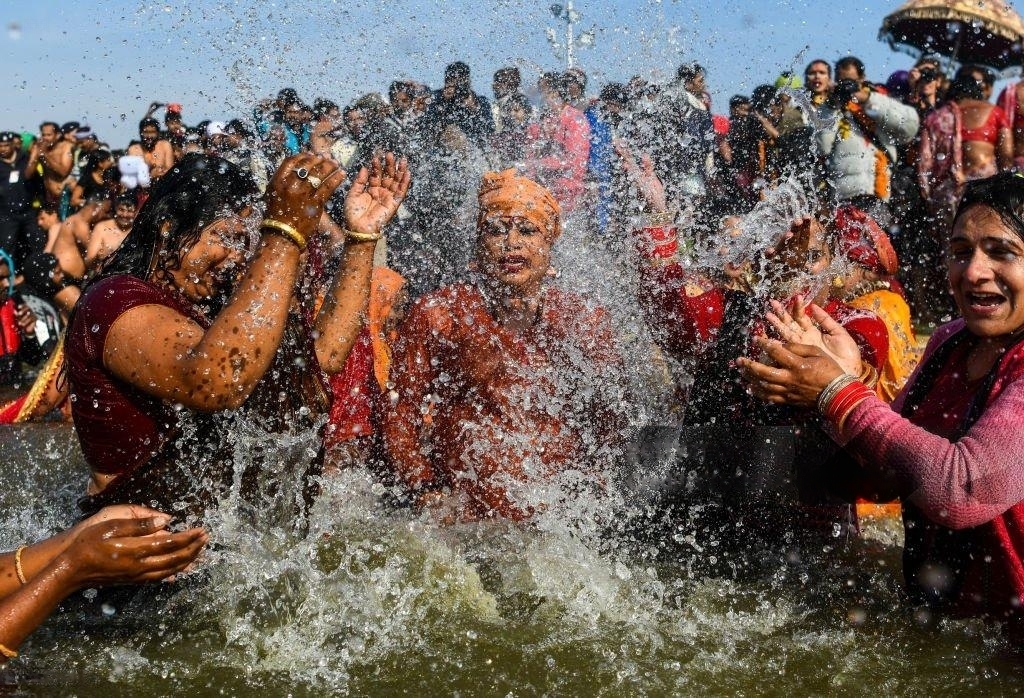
(507, 410)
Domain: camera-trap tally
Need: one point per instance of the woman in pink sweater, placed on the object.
(952, 444)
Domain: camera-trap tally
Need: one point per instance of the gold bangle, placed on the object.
(362, 237)
(8, 652)
(17, 565)
(869, 376)
(660, 219)
(286, 231)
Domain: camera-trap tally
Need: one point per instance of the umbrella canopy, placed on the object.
(987, 32)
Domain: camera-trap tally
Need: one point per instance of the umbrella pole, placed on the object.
(956, 49)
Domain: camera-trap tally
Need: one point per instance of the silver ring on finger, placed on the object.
(314, 181)
(301, 172)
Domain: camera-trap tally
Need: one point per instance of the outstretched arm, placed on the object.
(372, 201)
(131, 548)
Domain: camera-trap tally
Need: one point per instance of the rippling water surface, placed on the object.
(376, 602)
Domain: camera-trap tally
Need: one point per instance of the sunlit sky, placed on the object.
(104, 62)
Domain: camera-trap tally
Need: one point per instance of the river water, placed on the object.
(373, 601)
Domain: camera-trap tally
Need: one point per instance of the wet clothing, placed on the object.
(988, 132)
(752, 471)
(176, 459)
(904, 351)
(477, 124)
(558, 148)
(489, 413)
(953, 449)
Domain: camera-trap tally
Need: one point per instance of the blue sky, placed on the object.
(105, 62)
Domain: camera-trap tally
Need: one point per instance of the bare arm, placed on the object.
(99, 247)
(77, 196)
(1004, 149)
(163, 159)
(167, 355)
(59, 162)
(371, 202)
(99, 551)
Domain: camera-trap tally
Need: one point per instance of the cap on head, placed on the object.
(7, 136)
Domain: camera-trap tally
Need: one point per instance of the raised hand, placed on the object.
(650, 187)
(819, 329)
(299, 200)
(375, 195)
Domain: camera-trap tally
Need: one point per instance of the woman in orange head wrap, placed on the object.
(498, 366)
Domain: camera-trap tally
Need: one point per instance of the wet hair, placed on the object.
(762, 97)
(576, 75)
(614, 92)
(322, 106)
(237, 127)
(509, 76)
(689, 71)
(738, 101)
(817, 61)
(1003, 193)
(288, 96)
(147, 122)
(851, 62)
(188, 198)
(988, 78)
(458, 70)
(964, 87)
(397, 87)
(126, 199)
(53, 124)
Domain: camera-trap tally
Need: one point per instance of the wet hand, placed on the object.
(375, 194)
(797, 375)
(26, 319)
(793, 325)
(130, 551)
(650, 187)
(299, 200)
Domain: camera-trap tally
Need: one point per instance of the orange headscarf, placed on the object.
(385, 286)
(508, 194)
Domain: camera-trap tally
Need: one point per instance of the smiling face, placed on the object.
(985, 260)
(514, 252)
(210, 268)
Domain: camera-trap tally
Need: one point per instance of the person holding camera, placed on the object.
(859, 148)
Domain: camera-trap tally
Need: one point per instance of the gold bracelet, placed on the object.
(362, 237)
(286, 231)
(869, 376)
(17, 565)
(8, 652)
(659, 219)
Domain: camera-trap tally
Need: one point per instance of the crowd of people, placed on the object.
(387, 270)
